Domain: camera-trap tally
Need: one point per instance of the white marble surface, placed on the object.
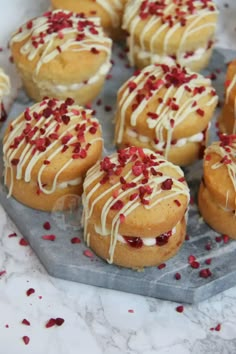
(100, 320)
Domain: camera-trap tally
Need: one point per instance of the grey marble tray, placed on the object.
(65, 260)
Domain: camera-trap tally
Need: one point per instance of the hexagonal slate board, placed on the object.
(65, 260)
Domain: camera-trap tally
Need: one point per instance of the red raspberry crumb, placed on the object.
(195, 264)
(205, 273)
(25, 322)
(167, 184)
(191, 259)
(49, 237)
(30, 291)
(225, 238)
(75, 240)
(108, 108)
(2, 272)
(12, 235)
(23, 242)
(177, 276)
(161, 266)
(122, 218)
(131, 311)
(218, 239)
(88, 253)
(47, 225)
(26, 340)
(180, 308)
(59, 321)
(50, 323)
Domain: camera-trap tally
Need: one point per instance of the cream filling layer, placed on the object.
(103, 71)
(70, 183)
(197, 138)
(147, 241)
(183, 58)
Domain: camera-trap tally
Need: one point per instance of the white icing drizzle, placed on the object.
(154, 182)
(43, 128)
(113, 9)
(4, 84)
(227, 94)
(230, 88)
(164, 112)
(61, 38)
(220, 149)
(132, 19)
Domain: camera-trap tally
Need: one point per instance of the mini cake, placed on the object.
(47, 151)
(109, 11)
(217, 194)
(4, 90)
(62, 54)
(166, 31)
(134, 208)
(227, 120)
(167, 109)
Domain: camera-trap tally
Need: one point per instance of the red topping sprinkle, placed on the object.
(30, 291)
(75, 240)
(177, 276)
(47, 225)
(51, 322)
(167, 184)
(49, 237)
(25, 322)
(205, 273)
(180, 308)
(23, 242)
(118, 205)
(200, 112)
(26, 340)
(88, 253)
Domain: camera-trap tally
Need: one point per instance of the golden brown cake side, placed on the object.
(217, 194)
(137, 198)
(47, 151)
(109, 11)
(168, 31)
(4, 90)
(62, 54)
(227, 119)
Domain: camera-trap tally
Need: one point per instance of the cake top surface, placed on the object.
(56, 31)
(49, 133)
(138, 176)
(134, 192)
(171, 12)
(164, 96)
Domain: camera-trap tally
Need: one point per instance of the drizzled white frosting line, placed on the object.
(4, 84)
(27, 161)
(113, 8)
(131, 20)
(95, 174)
(165, 114)
(49, 52)
(231, 167)
(230, 88)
